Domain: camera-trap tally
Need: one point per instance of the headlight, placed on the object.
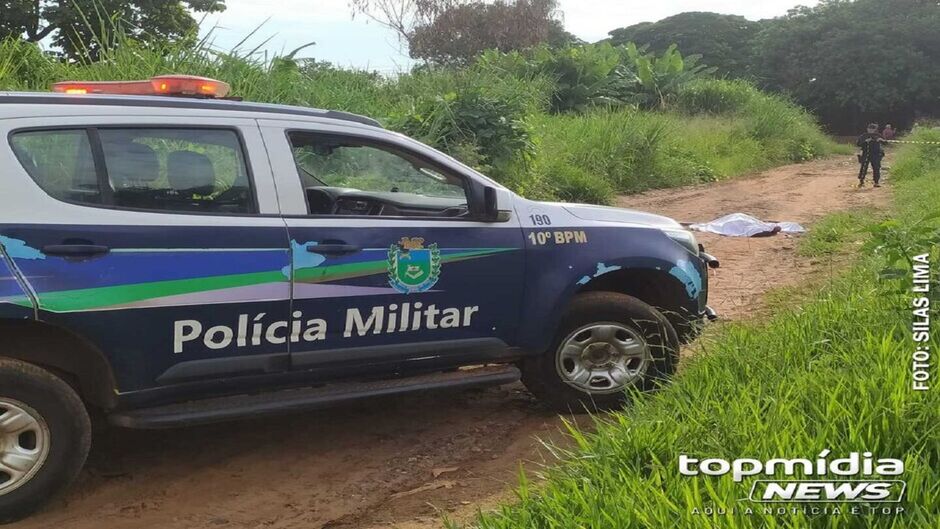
(685, 238)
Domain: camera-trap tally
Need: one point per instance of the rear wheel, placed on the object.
(607, 344)
(45, 434)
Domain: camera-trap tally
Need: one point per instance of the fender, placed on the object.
(26, 338)
(632, 254)
(17, 300)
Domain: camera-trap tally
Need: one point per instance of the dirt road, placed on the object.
(399, 462)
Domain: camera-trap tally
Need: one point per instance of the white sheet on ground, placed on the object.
(742, 225)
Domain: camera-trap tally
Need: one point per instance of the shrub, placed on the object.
(655, 81)
(580, 75)
(453, 109)
(713, 96)
(592, 75)
(495, 127)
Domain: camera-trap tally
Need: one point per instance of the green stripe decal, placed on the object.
(101, 297)
(345, 271)
(92, 298)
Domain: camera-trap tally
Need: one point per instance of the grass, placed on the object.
(834, 233)
(592, 157)
(719, 129)
(491, 119)
(834, 373)
(834, 242)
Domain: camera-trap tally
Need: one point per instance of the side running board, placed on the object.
(292, 400)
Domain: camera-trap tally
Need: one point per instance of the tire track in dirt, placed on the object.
(402, 462)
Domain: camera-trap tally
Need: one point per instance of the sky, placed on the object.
(360, 43)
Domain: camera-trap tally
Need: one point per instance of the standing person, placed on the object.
(889, 133)
(870, 142)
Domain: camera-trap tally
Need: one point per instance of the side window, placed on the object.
(60, 161)
(373, 172)
(177, 169)
(160, 169)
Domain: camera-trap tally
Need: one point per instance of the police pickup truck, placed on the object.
(169, 260)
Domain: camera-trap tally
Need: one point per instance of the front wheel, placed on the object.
(45, 434)
(607, 344)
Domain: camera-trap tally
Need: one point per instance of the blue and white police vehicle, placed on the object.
(169, 260)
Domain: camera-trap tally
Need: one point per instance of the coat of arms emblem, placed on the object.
(412, 267)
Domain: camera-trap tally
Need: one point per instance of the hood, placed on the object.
(609, 214)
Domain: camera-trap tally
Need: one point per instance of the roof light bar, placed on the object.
(167, 85)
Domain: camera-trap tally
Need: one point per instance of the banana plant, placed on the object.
(653, 80)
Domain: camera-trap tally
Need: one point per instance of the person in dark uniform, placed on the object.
(872, 153)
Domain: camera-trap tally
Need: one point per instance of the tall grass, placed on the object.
(917, 159)
(785, 130)
(833, 374)
(493, 119)
(593, 156)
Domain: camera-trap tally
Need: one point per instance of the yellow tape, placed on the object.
(912, 141)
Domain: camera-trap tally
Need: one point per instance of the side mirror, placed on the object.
(490, 204)
(486, 202)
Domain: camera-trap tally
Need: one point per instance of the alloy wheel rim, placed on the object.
(24, 444)
(603, 358)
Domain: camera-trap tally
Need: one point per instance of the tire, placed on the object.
(642, 352)
(54, 432)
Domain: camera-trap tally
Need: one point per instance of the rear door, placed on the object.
(148, 237)
(391, 269)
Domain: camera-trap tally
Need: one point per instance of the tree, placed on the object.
(559, 37)
(461, 33)
(456, 31)
(81, 27)
(723, 41)
(854, 62)
(402, 16)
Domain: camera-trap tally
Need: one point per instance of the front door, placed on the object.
(391, 270)
(148, 241)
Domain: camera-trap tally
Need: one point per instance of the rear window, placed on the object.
(160, 169)
(60, 162)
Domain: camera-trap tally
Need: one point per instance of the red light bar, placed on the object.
(168, 85)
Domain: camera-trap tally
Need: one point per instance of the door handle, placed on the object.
(75, 250)
(333, 249)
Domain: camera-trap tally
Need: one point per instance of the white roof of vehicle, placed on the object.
(85, 104)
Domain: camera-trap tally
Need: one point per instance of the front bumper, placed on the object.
(710, 314)
(707, 258)
(710, 262)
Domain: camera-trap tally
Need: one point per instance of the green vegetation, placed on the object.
(578, 123)
(833, 374)
(81, 28)
(829, 58)
(587, 157)
(918, 159)
(724, 41)
(832, 234)
(856, 71)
